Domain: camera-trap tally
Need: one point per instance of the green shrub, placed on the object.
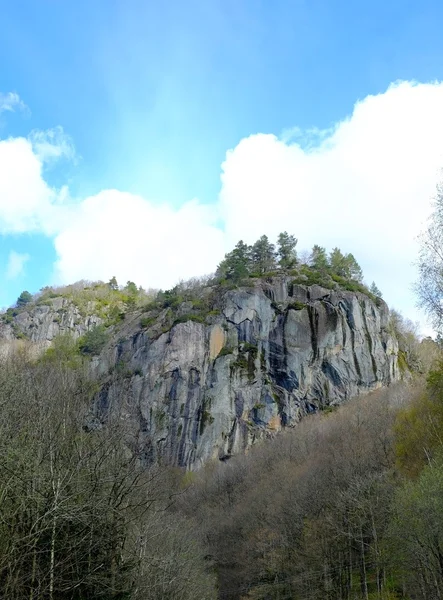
(146, 322)
(241, 362)
(225, 351)
(64, 349)
(297, 306)
(20, 335)
(188, 317)
(24, 298)
(93, 342)
(152, 305)
(252, 348)
(206, 419)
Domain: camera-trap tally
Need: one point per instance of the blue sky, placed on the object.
(152, 96)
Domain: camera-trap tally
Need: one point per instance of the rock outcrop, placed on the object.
(271, 353)
(41, 323)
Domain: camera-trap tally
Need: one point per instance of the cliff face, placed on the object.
(41, 323)
(275, 352)
(269, 355)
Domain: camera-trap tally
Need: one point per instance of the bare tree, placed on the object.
(429, 287)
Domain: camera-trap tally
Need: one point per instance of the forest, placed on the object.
(348, 504)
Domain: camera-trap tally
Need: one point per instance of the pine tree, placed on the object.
(319, 258)
(113, 284)
(375, 291)
(286, 252)
(236, 264)
(338, 263)
(354, 269)
(263, 256)
(131, 288)
(24, 298)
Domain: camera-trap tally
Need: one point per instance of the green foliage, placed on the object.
(226, 351)
(18, 333)
(419, 427)
(287, 255)
(402, 362)
(245, 360)
(146, 322)
(310, 276)
(337, 262)
(297, 305)
(353, 268)
(205, 417)
(113, 284)
(170, 298)
(241, 362)
(247, 347)
(345, 266)
(417, 530)
(64, 350)
(406, 333)
(131, 288)
(319, 258)
(189, 317)
(375, 291)
(8, 316)
(263, 256)
(24, 299)
(115, 316)
(93, 342)
(236, 264)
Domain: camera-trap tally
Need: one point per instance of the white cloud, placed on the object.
(364, 185)
(117, 233)
(16, 264)
(10, 102)
(52, 144)
(27, 203)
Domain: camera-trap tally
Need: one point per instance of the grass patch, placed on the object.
(146, 322)
(297, 306)
(225, 351)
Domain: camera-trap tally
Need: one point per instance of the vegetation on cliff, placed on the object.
(110, 301)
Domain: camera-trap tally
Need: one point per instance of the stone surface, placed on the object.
(275, 352)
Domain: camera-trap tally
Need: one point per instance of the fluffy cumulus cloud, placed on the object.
(27, 203)
(364, 185)
(16, 264)
(117, 233)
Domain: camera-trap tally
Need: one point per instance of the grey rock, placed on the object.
(277, 352)
(201, 391)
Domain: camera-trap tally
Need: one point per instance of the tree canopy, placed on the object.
(264, 257)
(24, 298)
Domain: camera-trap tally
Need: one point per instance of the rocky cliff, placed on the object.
(208, 386)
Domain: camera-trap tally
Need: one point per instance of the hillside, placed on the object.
(210, 367)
